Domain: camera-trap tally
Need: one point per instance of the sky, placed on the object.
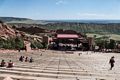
(61, 9)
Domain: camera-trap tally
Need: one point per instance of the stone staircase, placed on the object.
(60, 66)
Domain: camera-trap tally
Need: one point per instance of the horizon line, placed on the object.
(56, 19)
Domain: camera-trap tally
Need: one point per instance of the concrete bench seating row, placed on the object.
(60, 66)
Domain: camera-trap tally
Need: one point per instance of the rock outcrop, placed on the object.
(6, 31)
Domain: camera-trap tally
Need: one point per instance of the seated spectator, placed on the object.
(3, 63)
(41, 54)
(10, 64)
(31, 60)
(26, 59)
(21, 58)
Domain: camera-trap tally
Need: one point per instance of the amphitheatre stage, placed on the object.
(59, 65)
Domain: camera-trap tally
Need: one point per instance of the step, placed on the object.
(44, 71)
(15, 77)
(52, 74)
(27, 74)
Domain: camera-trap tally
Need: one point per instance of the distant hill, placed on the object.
(84, 26)
(31, 21)
(86, 21)
(110, 28)
(21, 20)
(9, 19)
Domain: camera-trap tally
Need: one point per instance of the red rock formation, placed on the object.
(6, 31)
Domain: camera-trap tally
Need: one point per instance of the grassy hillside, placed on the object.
(112, 36)
(94, 27)
(112, 28)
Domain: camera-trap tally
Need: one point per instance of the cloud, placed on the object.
(59, 2)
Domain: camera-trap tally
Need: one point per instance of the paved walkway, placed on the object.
(58, 65)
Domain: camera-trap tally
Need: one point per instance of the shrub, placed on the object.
(19, 43)
(36, 44)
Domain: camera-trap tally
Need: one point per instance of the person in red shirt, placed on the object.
(26, 59)
(10, 64)
(3, 63)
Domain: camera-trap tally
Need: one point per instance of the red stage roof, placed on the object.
(67, 36)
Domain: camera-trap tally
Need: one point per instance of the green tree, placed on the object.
(2, 42)
(102, 42)
(112, 44)
(39, 45)
(44, 45)
(36, 44)
(33, 45)
(19, 43)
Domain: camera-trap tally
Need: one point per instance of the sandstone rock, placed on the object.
(6, 31)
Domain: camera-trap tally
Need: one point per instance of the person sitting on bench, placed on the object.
(3, 63)
(10, 64)
(31, 60)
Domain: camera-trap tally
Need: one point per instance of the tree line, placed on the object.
(18, 43)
